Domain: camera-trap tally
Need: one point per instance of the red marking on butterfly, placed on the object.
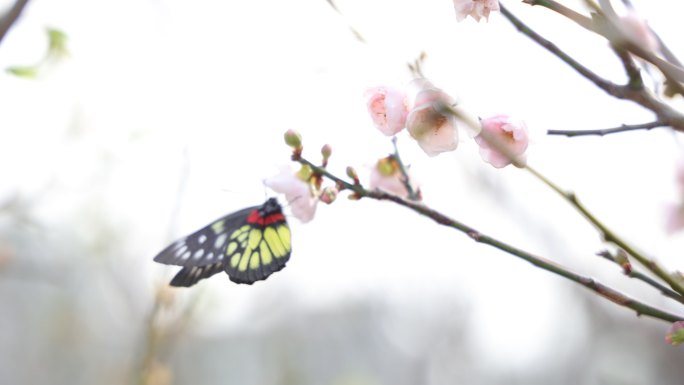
(255, 218)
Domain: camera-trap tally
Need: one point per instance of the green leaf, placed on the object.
(57, 42)
(27, 72)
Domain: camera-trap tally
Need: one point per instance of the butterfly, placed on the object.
(249, 245)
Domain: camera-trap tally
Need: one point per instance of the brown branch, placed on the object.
(609, 293)
(665, 113)
(631, 272)
(11, 16)
(608, 131)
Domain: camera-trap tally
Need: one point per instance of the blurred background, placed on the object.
(167, 114)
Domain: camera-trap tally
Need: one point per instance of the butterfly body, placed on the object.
(249, 245)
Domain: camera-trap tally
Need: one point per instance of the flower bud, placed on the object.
(326, 151)
(293, 139)
(676, 334)
(328, 195)
(352, 174)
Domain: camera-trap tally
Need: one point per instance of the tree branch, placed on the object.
(608, 131)
(665, 113)
(11, 16)
(632, 273)
(609, 236)
(611, 294)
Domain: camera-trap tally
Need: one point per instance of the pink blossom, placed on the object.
(675, 336)
(428, 121)
(635, 29)
(297, 193)
(387, 107)
(385, 175)
(674, 213)
(501, 140)
(476, 9)
(674, 218)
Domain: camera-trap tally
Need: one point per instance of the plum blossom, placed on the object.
(674, 218)
(388, 109)
(676, 334)
(297, 192)
(501, 140)
(386, 175)
(674, 212)
(428, 121)
(635, 29)
(476, 9)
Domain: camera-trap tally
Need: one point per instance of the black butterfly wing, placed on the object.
(189, 276)
(205, 246)
(249, 245)
(255, 252)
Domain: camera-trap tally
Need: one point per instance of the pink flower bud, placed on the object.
(293, 138)
(387, 107)
(351, 172)
(326, 151)
(329, 194)
(636, 30)
(502, 141)
(676, 334)
(476, 9)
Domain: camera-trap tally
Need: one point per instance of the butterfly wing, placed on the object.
(189, 276)
(257, 250)
(249, 245)
(260, 247)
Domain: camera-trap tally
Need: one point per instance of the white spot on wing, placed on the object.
(202, 238)
(181, 250)
(220, 240)
(198, 254)
(185, 255)
(210, 255)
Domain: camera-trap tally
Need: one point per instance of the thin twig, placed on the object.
(665, 113)
(608, 131)
(609, 293)
(631, 272)
(608, 235)
(635, 82)
(405, 179)
(559, 8)
(10, 17)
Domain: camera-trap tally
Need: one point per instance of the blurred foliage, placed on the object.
(56, 51)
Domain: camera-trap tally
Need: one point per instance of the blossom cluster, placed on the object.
(427, 113)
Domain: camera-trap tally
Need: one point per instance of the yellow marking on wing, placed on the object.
(231, 248)
(271, 236)
(234, 260)
(243, 262)
(266, 256)
(217, 226)
(242, 236)
(239, 232)
(254, 262)
(254, 238)
(284, 234)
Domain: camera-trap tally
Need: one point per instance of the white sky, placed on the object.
(153, 88)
